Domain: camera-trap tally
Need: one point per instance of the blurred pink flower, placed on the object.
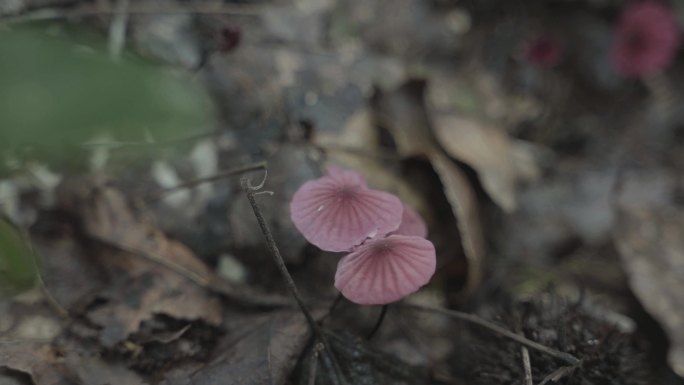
(543, 52)
(385, 270)
(339, 211)
(411, 224)
(645, 40)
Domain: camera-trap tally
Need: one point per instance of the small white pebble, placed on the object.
(231, 269)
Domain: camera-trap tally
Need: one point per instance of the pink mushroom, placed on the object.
(412, 224)
(646, 39)
(385, 270)
(339, 211)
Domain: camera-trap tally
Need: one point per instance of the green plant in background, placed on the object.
(17, 263)
(56, 94)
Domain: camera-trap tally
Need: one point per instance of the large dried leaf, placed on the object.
(360, 363)
(143, 291)
(48, 365)
(403, 113)
(499, 161)
(35, 359)
(258, 350)
(651, 243)
(150, 274)
(464, 204)
(108, 216)
(65, 257)
(469, 112)
(92, 369)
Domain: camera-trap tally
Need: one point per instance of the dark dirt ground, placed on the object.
(553, 193)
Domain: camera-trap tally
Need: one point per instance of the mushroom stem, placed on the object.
(378, 323)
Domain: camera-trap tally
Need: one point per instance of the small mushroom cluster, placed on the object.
(389, 257)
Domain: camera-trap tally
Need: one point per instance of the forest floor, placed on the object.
(550, 182)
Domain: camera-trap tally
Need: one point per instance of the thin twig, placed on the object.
(332, 308)
(558, 374)
(313, 368)
(275, 253)
(526, 365)
(250, 190)
(137, 9)
(566, 357)
(151, 197)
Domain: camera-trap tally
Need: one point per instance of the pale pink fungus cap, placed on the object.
(338, 211)
(646, 39)
(412, 224)
(385, 270)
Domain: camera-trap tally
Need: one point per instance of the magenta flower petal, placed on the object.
(338, 211)
(412, 224)
(646, 39)
(385, 270)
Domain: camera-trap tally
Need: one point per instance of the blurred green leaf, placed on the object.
(17, 265)
(56, 94)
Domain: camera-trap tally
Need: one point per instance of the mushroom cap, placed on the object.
(412, 224)
(338, 211)
(645, 40)
(386, 270)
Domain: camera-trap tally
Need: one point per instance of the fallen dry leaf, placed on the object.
(38, 360)
(257, 350)
(46, 364)
(500, 162)
(360, 363)
(63, 257)
(141, 292)
(91, 369)
(469, 111)
(651, 244)
(109, 217)
(464, 204)
(149, 273)
(402, 112)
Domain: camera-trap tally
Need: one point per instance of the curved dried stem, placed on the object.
(260, 185)
(195, 182)
(250, 190)
(566, 357)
